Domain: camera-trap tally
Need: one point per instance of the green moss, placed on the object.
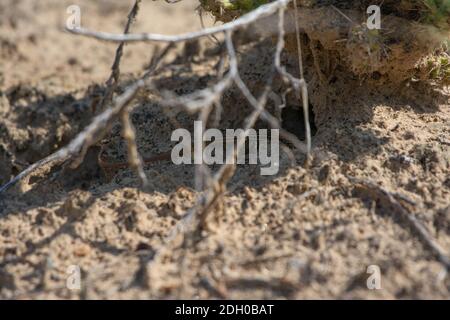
(243, 5)
(437, 13)
(227, 10)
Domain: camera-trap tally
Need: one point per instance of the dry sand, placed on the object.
(305, 233)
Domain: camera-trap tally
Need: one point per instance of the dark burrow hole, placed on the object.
(293, 121)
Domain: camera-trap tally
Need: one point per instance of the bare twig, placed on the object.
(100, 125)
(113, 80)
(245, 20)
(78, 147)
(194, 221)
(299, 85)
(134, 158)
(200, 101)
(420, 230)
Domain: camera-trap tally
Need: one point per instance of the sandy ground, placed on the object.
(304, 233)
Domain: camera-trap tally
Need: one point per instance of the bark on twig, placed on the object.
(419, 230)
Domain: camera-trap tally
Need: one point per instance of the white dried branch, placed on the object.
(245, 20)
(100, 125)
(194, 102)
(200, 101)
(194, 221)
(299, 85)
(78, 147)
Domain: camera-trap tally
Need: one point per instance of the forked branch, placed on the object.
(77, 149)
